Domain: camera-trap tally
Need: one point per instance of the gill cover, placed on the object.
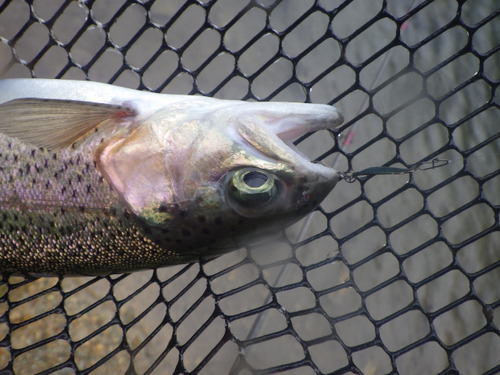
(134, 165)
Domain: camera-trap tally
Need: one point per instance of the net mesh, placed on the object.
(392, 274)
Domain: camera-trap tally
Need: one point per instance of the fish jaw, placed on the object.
(292, 120)
(270, 128)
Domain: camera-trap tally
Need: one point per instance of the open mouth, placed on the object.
(294, 120)
(268, 130)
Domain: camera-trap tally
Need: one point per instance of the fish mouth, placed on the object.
(289, 121)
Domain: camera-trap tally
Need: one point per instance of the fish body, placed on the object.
(98, 179)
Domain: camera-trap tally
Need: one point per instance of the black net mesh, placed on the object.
(392, 274)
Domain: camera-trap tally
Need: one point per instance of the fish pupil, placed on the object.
(255, 179)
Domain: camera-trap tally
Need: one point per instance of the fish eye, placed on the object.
(253, 187)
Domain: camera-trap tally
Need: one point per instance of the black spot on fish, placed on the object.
(186, 233)
(162, 208)
(205, 231)
(202, 219)
(218, 220)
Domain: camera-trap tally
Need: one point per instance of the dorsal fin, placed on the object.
(54, 123)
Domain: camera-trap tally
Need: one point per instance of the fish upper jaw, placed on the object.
(287, 120)
(292, 120)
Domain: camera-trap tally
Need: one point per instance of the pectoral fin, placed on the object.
(54, 123)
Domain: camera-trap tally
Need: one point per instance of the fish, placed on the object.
(97, 179)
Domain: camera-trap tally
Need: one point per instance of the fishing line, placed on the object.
(425, 165)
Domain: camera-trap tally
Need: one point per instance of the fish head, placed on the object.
(210, 176)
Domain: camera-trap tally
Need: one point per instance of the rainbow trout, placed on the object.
(97, 179)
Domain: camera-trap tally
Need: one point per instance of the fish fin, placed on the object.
(54, 124)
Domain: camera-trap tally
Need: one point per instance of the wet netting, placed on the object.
(393, 273)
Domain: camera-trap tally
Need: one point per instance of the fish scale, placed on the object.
(60, 226)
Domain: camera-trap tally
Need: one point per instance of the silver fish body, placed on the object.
(98, 179)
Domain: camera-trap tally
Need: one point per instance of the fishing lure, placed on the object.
(98, 179)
